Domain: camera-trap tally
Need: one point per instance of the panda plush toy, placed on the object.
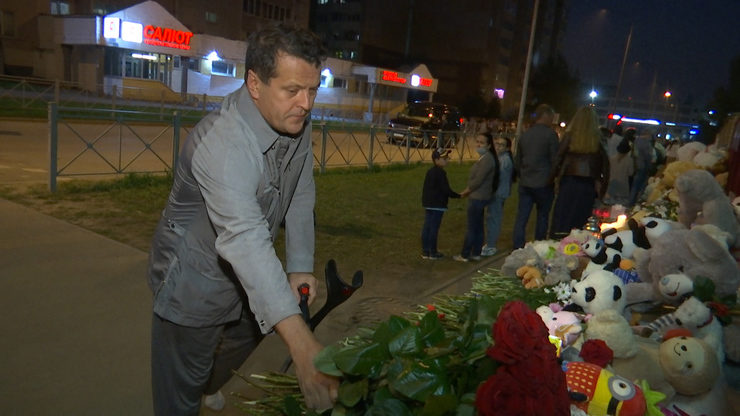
(626, 241)
(602, 257)
(598, 291)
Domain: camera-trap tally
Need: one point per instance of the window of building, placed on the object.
(339, 83)
(222, 68)
(7, 23)
(59, 7)
(211, 17)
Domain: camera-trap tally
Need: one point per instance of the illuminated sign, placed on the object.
(115, 28)
(416, 80)
(112, 27)
(171, 38)
(131, 31)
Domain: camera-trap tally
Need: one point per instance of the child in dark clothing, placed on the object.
(434, 198)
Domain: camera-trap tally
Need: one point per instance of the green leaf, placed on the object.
(465, 410)
(703, 288)
(419, 380)
(363, 360)
(351, 393)
(439, 405)
(389, 329)
(431, 329)
(406, 343)
(324, 361)
(291, 406)
(390, 406)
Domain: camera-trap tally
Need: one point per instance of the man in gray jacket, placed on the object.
(534, 161)
(218, 284)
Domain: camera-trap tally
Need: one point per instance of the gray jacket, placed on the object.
(214, 242)
(536, 155)
(480, 181)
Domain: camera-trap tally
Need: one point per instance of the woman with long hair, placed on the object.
(482, 184)
(583, 171)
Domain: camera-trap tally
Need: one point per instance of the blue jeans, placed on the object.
(529, 197)
(430, 231)
(474, 235)
(494, 215)
(638, 185)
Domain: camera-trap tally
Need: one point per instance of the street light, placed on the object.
(593, 94)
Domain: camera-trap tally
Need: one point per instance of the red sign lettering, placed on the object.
(170, 38)
(392, 77)
(425, 82)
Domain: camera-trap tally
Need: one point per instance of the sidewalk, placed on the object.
(76, 317)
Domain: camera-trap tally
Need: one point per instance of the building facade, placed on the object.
(476, 48)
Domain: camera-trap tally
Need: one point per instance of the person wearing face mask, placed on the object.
(482, 184)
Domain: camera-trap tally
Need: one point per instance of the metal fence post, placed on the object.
(53, 141)
(322, 161)
(372, 142)
(175, 139)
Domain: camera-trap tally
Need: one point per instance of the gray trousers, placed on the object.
(189, 362)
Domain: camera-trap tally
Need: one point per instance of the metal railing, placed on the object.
(98, 142)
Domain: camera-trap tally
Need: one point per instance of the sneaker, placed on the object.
(215, 401)
(475, 258)
(426, 257)
(436, 256)
(458, 257)
(488, 251)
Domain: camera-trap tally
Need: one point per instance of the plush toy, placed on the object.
(599, 392)
(655, 227)
(545, 264)
(702, 201)
(599, 290)
(602, 257)
(635, 358)
(688, 151)
(698, 318)
(692, 368)
(693, 253)
(675, 287)
(665, 183)
(564, 325)
(626, 241)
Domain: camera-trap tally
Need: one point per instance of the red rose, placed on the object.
(595, 351)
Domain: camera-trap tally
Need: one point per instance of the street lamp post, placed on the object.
(593, 94)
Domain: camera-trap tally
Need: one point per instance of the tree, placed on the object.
(726, 100)
(552, 83)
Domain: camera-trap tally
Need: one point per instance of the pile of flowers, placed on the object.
(441, 359)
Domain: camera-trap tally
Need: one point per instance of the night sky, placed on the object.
(685, 46)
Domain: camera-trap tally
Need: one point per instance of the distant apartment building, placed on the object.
(474, 48)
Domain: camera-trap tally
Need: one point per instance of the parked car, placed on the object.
(426, 124)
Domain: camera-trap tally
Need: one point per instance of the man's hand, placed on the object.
(297, 279)
(319, 390)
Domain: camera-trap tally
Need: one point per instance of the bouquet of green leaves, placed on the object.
(429, 362)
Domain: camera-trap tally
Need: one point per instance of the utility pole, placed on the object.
(525, 82)
(621, 70)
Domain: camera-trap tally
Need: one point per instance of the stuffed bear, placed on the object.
(602, 257)
(597, 291)
(691, 252)
(626, 241)
(551, 267)
(634, 357)
(665, 184)
(702, 201)
(692, 368)
(698, 318)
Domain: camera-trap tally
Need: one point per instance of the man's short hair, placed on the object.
(543, 109)
(264, 46)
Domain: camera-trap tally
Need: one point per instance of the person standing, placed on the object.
(218, 284)
(621, 167)
(482, 184)
(434, 197)
(495, 209)
(583, 167)
(535, 156)
(644, 163)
